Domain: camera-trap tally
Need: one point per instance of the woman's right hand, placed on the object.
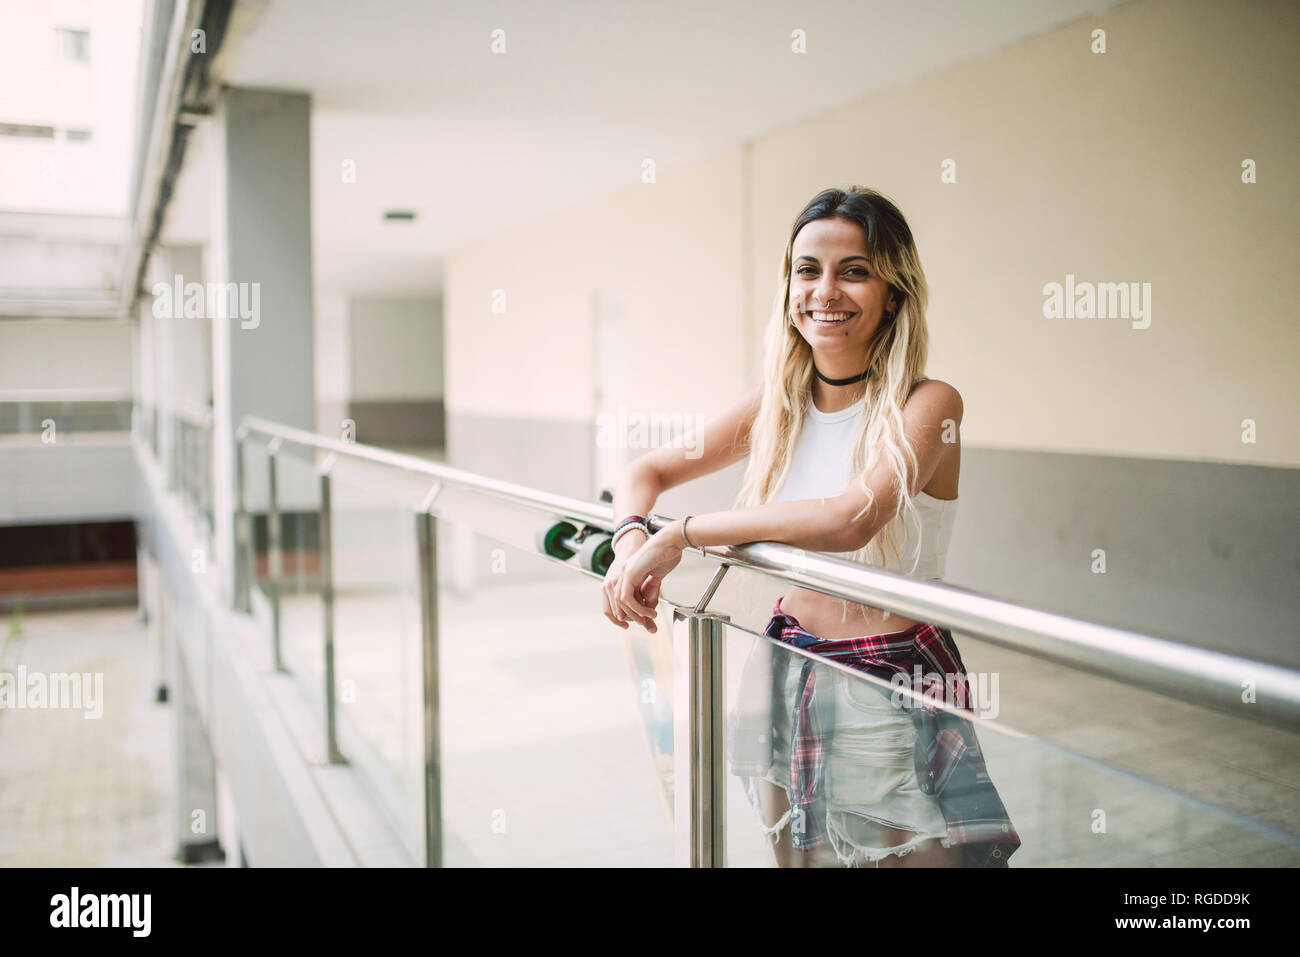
(628, 544)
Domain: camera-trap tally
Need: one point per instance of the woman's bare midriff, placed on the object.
(825, 617)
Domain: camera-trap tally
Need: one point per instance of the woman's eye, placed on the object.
(856, 272)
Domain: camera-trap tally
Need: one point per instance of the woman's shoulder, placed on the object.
(935, 393)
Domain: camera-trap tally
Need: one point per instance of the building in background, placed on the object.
(67, 124)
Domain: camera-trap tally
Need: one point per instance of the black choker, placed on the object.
(849, 381)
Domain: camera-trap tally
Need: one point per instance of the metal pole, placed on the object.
(333, 756)
(209, 512)
(274, 552)
(187, 466)
(705, 638)
(170, 472)
(426, 531)
(243, 547)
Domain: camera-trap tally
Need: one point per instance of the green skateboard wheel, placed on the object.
(551, 539)
(597, 553)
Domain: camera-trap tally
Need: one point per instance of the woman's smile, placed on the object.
(829, 318)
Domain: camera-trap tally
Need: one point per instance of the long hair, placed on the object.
(895, 357)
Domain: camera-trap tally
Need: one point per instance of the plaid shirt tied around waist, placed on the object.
(949, 763)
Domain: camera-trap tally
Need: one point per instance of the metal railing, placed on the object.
(189, 469)
(1210, 678)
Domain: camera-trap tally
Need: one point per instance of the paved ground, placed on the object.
(85, 792)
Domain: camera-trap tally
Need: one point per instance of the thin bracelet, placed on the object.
(684, 538)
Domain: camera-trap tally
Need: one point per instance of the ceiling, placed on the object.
(474, 141)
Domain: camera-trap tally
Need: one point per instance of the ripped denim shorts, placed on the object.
(870, 772)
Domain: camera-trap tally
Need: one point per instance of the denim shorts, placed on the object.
(870, 776)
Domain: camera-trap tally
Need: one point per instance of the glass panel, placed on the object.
(302, 619)
(1173, 783)
(377, 650)
(1091, 772)
(557, 725)
(29, 416)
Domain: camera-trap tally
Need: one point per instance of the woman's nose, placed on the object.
(825, 292)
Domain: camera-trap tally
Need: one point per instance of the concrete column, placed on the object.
(262, 354)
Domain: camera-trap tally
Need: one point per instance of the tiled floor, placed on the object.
(78, 791)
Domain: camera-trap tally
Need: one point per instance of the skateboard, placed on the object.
(563, 540)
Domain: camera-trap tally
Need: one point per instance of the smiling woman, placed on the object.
(844, 436)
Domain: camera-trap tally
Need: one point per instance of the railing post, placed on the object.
(209, 513)
(426, 533)
(243, 536)
(333, 756)
(274, 551)
(187, 466)
(707, 724)
(169, 460)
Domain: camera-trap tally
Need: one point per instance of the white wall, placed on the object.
(396, 348)
(66, 354)
(333, 365)
(1115, 167)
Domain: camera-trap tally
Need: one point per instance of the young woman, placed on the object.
(852, 451)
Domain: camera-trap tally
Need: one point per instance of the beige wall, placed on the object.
(672, 249)
(1119, 167)
(39, 354)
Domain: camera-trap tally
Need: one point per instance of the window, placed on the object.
(75, 44)
(27, 129)
(76, 136)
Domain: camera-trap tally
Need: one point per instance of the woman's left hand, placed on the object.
(638, 592)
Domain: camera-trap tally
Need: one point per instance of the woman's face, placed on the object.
(836, 301)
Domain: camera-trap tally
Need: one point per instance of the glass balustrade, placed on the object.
(564, 740)
(298, 592)
(1091, 772)
(557, 728)
(377, 648)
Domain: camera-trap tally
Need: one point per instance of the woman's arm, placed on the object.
(839, 524)
(637, 491)
(721, 441)
(842, 523)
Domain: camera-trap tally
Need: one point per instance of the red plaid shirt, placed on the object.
(949, 763)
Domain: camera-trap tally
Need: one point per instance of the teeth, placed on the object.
(829, 316)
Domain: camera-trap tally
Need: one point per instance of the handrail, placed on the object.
(1209, 677)
(66, 395)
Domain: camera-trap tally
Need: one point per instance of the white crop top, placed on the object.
(820, 469)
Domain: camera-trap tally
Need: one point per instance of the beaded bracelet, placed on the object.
(627, 527)
(631, 520)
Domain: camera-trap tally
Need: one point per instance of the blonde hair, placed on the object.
(896, 359)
